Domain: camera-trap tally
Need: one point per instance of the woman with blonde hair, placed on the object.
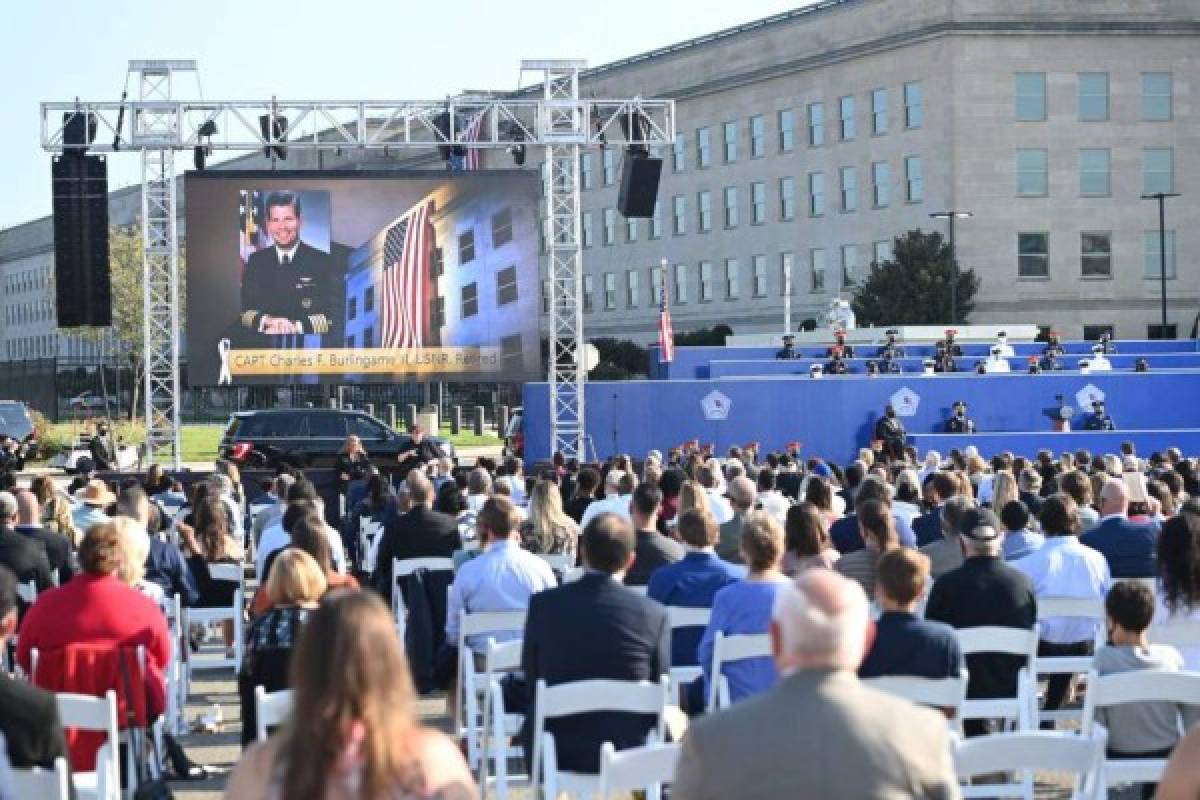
(352, 462)
(55, 509)
(1004, 490)
(548, 528)
(353, 731)
(134, 545)
(692, 495)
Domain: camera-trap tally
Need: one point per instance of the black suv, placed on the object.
(310, 438)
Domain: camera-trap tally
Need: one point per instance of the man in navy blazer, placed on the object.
(928, 527)
(1127, 546)
(594, 629)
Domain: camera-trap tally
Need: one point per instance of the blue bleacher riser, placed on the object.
(835, 416)
(800, 366)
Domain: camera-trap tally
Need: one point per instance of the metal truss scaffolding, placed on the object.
(552, 116)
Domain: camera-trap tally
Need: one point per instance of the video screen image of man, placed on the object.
(290, 289)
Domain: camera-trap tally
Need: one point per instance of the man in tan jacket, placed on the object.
(819, 733)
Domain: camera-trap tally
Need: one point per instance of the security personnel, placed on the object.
(890, 431)
(959, 422)
(789, 348)
(1098, 420)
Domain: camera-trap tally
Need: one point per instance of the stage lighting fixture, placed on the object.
(636, 126)
(207, 129)
(512, 132)
(274, 131)
(442, 123)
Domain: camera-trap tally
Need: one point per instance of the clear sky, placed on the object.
(305, 49)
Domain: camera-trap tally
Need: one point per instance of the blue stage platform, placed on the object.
(800, 366)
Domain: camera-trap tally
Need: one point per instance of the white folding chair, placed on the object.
(1090, 608)
(1179, 633)
(582, 697)
(561, 563)
(1022, 708)
(271, 709)
(229, 573)
(27, 592)
(472, 684)
(402, 568)
(1024, 752)
(685, 617)
(177, 675)
(44, 784)
(943, 693)
(499, 726)
(646, 768)
(736, 647)
(1137, 686)
(369, 533)
(86, 713)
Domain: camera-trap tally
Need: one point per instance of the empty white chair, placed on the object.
(44, 784)
(684, 617)
(1137, 686)
(177, 675)
(369, 534)
(87, 713)
(736, 647)
(402, 568)
(271, 709)
(1049, 607)
(581, 697)
(944, 693)
(499, 726)
(1022, 708)
(472, 684)
(233, 613)
(646, 768)
(1024, 752)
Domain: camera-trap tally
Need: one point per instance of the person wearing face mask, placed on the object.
(102, 448)
(890, 430)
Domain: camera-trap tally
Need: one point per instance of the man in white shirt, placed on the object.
(273, 511)
(501, 578)
(996, 363)
(1006, 349)
(1065, 567)
(301, 499)
(1099, 361)
(618, 490)
(770, 499)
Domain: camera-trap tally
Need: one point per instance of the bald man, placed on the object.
(59, 551)
(742, 496)
(819, 732)
(1128, 546)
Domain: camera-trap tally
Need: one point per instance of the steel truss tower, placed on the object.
(551, 116)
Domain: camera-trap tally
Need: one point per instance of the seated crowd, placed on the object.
(854, 574)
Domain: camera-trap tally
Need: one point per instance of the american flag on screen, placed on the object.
(407, 257)
(250, 226)
(666, 335)
(474, 157)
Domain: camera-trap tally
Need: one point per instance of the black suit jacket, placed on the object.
(25, 557)
(59, 552)
(30, 724)
(653, 551)
(928, 527)
(592, 629)
(419, 533)
(310, 290)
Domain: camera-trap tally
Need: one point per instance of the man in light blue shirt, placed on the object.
(501, 578)
(1019, 541)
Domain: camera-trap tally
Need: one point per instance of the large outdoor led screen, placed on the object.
(309, 277)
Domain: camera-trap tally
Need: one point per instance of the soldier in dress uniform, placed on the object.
(959, 422)
(789, 348)
(1098, 420)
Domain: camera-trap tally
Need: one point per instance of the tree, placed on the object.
(620, 359)
(914, 287)
(714, 336)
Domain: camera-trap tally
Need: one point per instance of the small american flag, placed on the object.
(474, 157)
(666, 336)
(407, 257)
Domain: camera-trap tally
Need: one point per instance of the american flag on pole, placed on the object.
(407, 258)
(249, 225)
(666, 335)
(474, 156)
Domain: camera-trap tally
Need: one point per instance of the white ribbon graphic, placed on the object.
(225, 378)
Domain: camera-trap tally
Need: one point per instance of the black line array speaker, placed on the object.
(82, 290)
(639, 185)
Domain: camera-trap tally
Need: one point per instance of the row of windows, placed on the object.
(1095, 171)
(1095, 254)
(27, 280)
(32, 346)
(32, 311)
(502, 234)
(1093, 101)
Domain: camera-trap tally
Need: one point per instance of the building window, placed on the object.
(1092, 333)
(914, 184)
(1033, 255)
(787, 134)
(758, 137)
(816, 259)
(1029, 89)
(470, 300)
(631, 288)
(849, 264)
(656, 285)
(703, 148)
(758, 203)
(466, 247)
(1158, 170)
(510, 353)
(1154, 254)
(816, 124)
(585, 170)
(732, 279)
(351, 308)
(879, 111)
(846, 117)
(681, 282)
(1095, 254)
(589, 289)
(610, 291)
(1095, 168)
(610, 226)
(881, 252)
(438, 262)
(816, 194)
(1156, 96)
(679, 214)
(502, 226)
(704, 203)
(787, 199)
(656, 221)
(730, 131)
(609, 165)
(786, 284)
(631, 229)
(758, 265)
(678, 153)
(1093, 96)
(437, 312)
(914, 108)
(881, 176)
(849, 182)
(731, 206)
(587, 229)
(506, 286)
(1032, 180)
(706, 282)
